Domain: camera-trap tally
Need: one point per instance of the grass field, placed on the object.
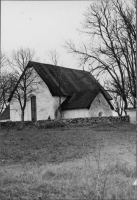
(73, 162)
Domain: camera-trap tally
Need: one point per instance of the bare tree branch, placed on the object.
(53, 57)
(18, 62)
(110, 26)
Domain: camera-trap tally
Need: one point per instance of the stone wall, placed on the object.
(97, 120)
(91, 120)
(132, 112)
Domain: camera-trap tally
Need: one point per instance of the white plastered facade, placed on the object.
(46, 104)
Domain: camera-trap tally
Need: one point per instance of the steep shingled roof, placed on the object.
(63, 81)
(79, 100)
(82, 100)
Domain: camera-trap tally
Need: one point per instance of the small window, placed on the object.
(100, 114)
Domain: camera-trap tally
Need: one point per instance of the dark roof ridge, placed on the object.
(60, 66)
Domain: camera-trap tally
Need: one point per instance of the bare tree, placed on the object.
(53, 57)
(3, 60)
(8, 81)
(2, 63)
(58, 76)
(110, 26)
(26, 77)
(117, 102)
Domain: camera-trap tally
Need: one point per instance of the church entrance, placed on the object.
(33, 109)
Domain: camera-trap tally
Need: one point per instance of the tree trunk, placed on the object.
(126, 104)
(22, 118)
(0, 121)
(135, 102)
(60, 108)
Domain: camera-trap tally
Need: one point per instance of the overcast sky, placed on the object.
(42, 25)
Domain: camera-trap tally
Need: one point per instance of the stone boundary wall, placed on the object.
(96, 120)
(91, 120)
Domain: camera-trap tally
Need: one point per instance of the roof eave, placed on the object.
(65, 109)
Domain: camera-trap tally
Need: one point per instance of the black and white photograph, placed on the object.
(68, 106)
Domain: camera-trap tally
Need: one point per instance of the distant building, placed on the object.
(132, 114)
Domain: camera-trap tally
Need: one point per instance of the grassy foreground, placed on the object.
(73, 162)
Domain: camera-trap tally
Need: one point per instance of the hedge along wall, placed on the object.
(90, 120)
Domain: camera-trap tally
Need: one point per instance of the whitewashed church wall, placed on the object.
(98, 105)
(44, 104)
(15, 111)
(75, 113)
(57, 114)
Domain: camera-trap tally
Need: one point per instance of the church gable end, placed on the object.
(100, 107)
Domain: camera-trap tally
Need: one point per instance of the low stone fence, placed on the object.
(96, 120)
(57, 123)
